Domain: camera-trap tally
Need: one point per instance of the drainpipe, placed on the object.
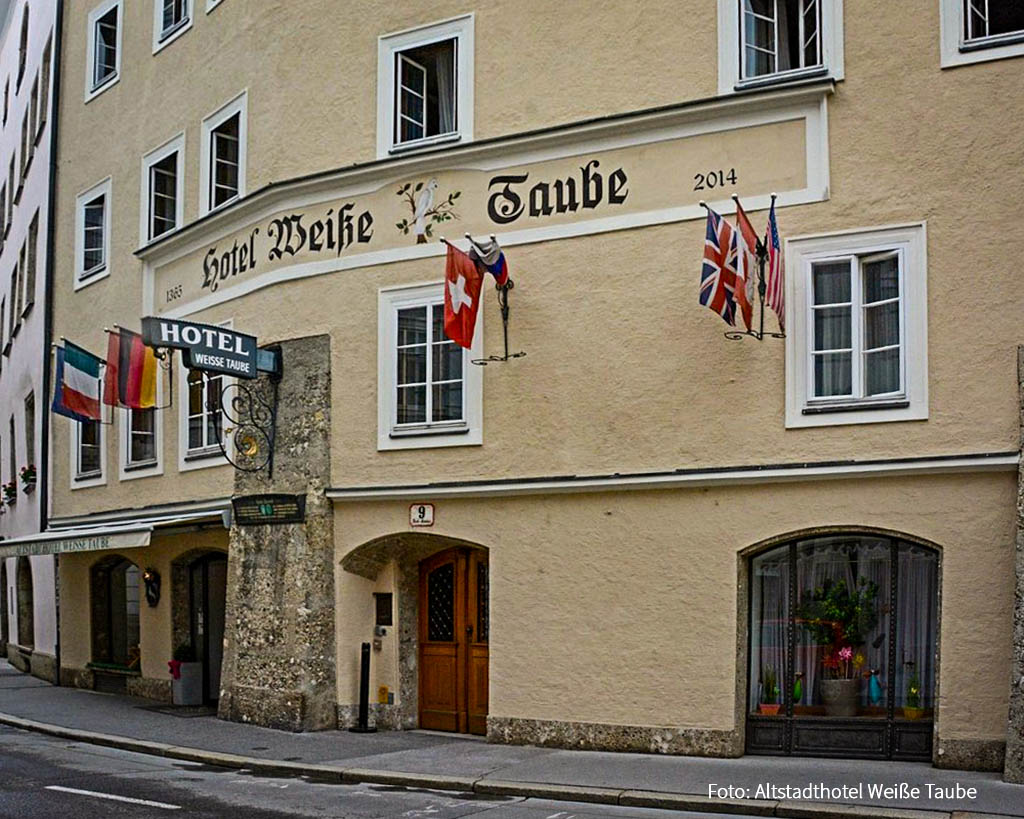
(51, 222)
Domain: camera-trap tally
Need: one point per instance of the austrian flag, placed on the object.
(462, 282)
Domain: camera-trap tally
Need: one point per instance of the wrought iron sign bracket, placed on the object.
(503, 290)
(248, 442)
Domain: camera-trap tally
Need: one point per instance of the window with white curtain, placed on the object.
(425, 86)
(856, 341)
(857, 349)
(779, 36)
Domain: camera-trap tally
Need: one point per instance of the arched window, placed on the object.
(115, 613)
(23, 47)
(843, 632)
(26, 604)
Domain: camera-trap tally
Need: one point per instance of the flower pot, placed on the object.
(29, 487)
(771, 709)
(187, 687)
(840, 697)
(912, 713)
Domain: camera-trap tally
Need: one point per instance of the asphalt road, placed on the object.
(45, 777)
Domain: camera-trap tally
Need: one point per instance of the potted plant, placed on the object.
(28, 479)
(912, 708)
(10, 493)
(840, 618)
(186, 677)
(769, 692)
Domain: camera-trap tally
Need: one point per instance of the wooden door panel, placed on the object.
(453, 632)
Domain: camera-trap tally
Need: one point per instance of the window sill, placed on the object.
(7, 348)
(136, 466)
(856, 406)
(168, 36)
(428, 142)
(223, 205)
(88, 476)
(93, 276)
(107, 84)
(203, 454)
(461, 429)
(782, 78)
(1013, 38)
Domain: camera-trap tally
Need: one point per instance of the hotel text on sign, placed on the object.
(207, 348)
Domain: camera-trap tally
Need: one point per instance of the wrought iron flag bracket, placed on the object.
(761, 254)
(503, 291)
(247, 439)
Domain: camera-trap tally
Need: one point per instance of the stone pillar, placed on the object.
(1013, 770)
(279, 644)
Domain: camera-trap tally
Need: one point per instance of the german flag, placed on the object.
(131, 372)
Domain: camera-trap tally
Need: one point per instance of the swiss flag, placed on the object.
(462, 283)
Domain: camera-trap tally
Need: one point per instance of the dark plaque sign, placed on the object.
(262, 510)
(207, 348)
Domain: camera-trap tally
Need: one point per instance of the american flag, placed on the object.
(718, 273)
(773, 296)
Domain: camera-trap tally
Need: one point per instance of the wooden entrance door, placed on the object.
(208, 591)
(454, 635)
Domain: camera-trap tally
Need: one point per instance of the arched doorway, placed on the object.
(5, 633)
(26, 604)
(843, 632)
(114, 587)
(207, 585)
(454, 631)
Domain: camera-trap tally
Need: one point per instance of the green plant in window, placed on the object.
(769, 686)
(836, 615)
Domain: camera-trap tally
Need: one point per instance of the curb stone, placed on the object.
(496, 787)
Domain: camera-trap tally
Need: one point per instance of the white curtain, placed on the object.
(446, 88)
(769, 617)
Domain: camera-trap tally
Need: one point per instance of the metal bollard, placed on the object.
(364, 693)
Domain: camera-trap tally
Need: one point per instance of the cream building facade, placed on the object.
(642, 535)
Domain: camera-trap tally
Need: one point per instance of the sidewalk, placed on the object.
(426, 759)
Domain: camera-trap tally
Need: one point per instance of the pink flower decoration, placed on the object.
(845, 653)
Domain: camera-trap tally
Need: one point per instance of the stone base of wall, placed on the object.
(970, 754)
(76, 678)
(384, 717)
(44, 666)
(283, 710)
(20, 658)
(148, 688)
(592, 736)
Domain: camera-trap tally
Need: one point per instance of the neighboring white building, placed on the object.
(28, 624)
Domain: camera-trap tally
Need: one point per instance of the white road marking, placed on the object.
(146, 802)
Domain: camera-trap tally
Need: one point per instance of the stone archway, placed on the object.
(26, 604)
(406, 551)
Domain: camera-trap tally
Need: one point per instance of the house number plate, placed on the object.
(421, 514)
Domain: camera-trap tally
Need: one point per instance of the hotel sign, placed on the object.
(207, 348)
(67, 545)
(603, 177)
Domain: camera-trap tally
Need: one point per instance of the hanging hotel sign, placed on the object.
(204, 347)
(599, 177)
(263, 510)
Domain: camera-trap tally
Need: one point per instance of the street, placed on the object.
(43, 777)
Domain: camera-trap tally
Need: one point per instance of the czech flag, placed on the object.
(77, 385)
(492, 257)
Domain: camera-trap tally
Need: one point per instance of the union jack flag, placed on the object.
(718, 273)
(773, 296)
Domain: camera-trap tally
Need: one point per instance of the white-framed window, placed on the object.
(44, 87)
(429, 394)
(88, 454)
(201, 418)
(223, 155)
(141, 440)
(425, 86)
(163, 189)
(31, 256)
(857, 346)
(975, 31)
(103, 47)
(171, 19)
(92, 234)
(762, 42)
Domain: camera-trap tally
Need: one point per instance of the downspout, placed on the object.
(51, 229)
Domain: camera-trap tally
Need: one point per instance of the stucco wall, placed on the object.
(622, 608)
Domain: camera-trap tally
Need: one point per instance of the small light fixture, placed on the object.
(151, 577)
